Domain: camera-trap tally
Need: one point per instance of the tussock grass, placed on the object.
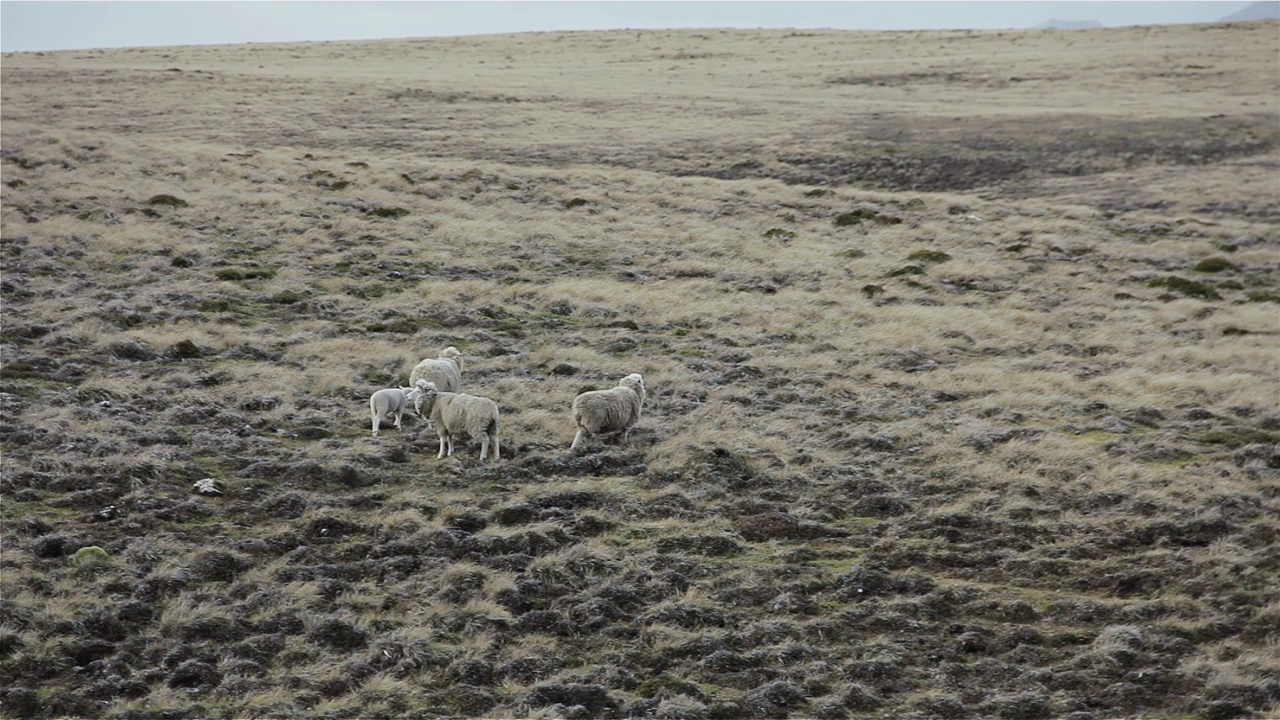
(922, 436)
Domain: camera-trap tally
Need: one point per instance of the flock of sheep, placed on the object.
(435, 391)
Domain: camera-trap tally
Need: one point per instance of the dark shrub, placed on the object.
(338, 634)
(1213, 265)
(167, 201)
(1190, 288)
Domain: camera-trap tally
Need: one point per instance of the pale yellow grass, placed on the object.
(181, 612)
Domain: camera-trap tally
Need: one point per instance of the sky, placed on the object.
(30, 25)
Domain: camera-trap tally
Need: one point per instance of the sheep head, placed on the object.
(411, 395)
(636, 383)
(451, 353)
(425, 395)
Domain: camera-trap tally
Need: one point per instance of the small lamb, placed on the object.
(454, 414)
(390, 402)
(605, 412)
(444, 371)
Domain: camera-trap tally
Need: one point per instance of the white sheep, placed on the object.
(459, 414)
(604, 412)
(444, 371)
(390, 402)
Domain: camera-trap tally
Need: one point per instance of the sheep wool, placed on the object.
(612, 411)
(460, 415)
(390, 402)
(444, 371)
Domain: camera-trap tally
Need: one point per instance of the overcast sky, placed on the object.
(55, 25)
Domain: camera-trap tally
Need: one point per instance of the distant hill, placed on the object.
(1056, 24)
(1255, 11)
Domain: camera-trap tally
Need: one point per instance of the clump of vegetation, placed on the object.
(929, 256)
(387, 212)
(185, 349)
(1002, 492)
(287, 297)
(906, 270)
(167, 201)
(779, 234)
(572, 203)
(245, 273)
(1214, 265)
(1183, 286)
(855, 217)
(90, 556)
(403, 326)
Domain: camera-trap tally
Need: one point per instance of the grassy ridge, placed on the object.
(962, 382)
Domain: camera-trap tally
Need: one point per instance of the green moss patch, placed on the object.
(1214, 265)
(1183, 286)
(929, 256)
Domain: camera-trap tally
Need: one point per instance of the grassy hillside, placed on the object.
(961, 349)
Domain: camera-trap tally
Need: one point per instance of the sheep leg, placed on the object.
(497, 448)
(398, 414)
(484, 447)
(577, 439)
(443, 439)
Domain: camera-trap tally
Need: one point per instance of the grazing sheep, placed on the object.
(604, 412)
(444, 371)
(390, 402)
(453, 414)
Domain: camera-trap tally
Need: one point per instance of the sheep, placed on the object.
(453, 414)
(611, 411)
(445, 371)
(390, 402)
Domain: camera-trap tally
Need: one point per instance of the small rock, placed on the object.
(51, 546)
(206, 486)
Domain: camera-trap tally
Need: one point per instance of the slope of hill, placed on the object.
(960, 348)
(1266, 10)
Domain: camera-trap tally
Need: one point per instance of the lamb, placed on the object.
(611, 411)
(444, 371)
(454, 414)
(390, 402)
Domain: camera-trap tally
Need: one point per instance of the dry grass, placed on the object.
(948, 415)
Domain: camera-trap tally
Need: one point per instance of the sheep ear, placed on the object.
(422, 384)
